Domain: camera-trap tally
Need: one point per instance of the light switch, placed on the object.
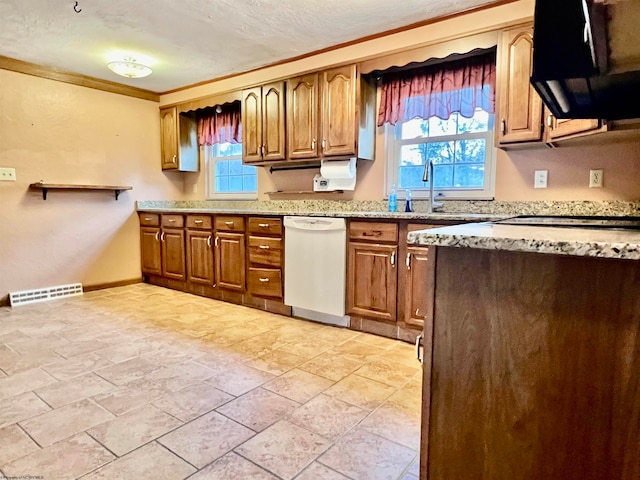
(540, 179)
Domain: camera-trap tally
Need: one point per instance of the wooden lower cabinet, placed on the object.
(536, 368)
(173, 254)
(230, 261)
(151, 251)
(372, 280)
(418, 283)
(200, 267)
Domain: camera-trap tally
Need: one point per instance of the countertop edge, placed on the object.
(511, 241)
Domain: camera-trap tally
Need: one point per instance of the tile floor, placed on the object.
(141, 381)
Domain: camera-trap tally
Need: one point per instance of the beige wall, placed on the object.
(62, 133)
(568, 166)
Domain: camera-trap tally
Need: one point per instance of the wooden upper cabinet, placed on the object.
(169, 137)
(178, 140)
(560, 128)
(273, 121)
(302, 117)
(252, 125)
(263, 123)
(339, 115)
(520, 107)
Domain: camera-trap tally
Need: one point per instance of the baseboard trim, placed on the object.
(119, 283)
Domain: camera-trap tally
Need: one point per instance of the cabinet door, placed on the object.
(200, 257)
(273, 122)
(169, 137)
(150, 250)
(302, 117)
(252, 125)
(339, 111)
(173, 258)
(230, 261)
(520, 107)
(372, 281)
(558, 128)
(418, 285)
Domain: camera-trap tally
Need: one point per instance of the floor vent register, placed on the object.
(26, 297)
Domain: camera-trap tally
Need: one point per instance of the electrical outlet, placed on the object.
(540, 179)
(596, 178)
(8, 174)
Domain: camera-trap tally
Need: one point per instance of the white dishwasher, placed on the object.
(315, 268)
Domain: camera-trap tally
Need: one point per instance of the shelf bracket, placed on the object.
(117, 192)
(44, 194)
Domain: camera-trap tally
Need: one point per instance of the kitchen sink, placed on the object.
(570, 221)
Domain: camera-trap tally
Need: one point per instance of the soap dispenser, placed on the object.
(409, 205)
(393, 199)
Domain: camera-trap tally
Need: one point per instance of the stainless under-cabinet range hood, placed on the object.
(586, 57)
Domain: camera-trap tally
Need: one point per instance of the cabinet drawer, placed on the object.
(263, 226)
(173, 221)
(230, 224)
(265, 282)
(149, 220)
(265, 251)
(199, 221)
(372, 231)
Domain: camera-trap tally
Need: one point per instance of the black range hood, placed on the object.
(585, 60)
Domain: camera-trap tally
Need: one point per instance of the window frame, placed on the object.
(210, 178)
(393, 146)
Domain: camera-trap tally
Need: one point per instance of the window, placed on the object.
(441, 113)
(460, 148)
(227, 177)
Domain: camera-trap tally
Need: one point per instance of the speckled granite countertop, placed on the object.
(584, 242)
(438, 216)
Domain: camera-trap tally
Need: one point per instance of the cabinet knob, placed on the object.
(157, 236)
(197, 222)
(262, 150)
(230, 224)
(313, 144)
(263, 247)
(550, 121)
(209, 241)
(264, 280)
(216, 242)
(408, 261)
(324, 143)
(503, 126)
(174, 158)
(393, 258)
(263, 225)
(162, 237)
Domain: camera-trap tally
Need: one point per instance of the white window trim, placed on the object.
(210, 180)
(392, 151)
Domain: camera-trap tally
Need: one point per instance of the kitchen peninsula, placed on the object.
(532, 353)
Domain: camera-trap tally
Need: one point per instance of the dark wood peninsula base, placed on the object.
(532, 368)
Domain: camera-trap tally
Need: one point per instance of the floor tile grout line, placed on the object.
(254, 463)
(28, 435)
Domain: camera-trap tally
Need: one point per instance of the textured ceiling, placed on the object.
(190, 41)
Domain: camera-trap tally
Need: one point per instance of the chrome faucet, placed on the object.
(427, 176)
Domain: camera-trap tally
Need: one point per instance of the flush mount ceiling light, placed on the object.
(128, 67)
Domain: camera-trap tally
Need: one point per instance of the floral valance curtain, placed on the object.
(220, 125)
(458, 86)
